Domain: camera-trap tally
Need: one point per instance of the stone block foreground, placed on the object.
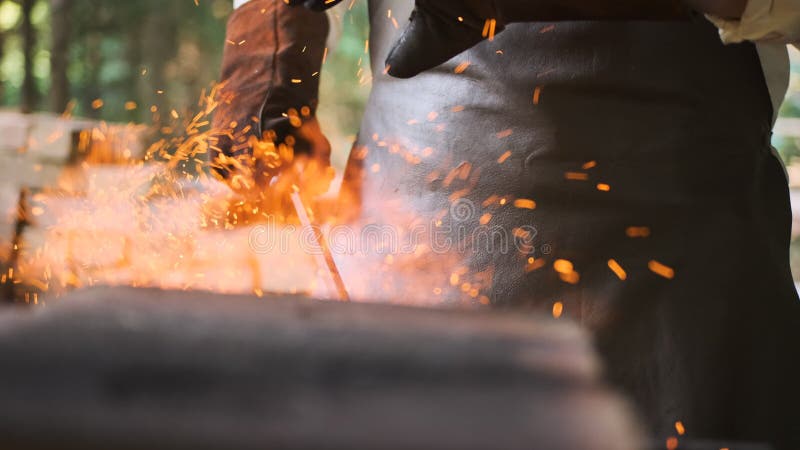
(148, 369)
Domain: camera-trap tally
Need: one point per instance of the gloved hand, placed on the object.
(269, 94)
(441, 29)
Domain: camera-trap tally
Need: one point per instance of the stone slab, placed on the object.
(143, 369)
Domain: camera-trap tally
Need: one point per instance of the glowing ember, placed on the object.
(489, 29)
(672, 443)
(661, 270)
(563, 266)
(558, 310)
(603, 187)
(461, 68)
(638, 232)
(535, 264)
(576, 176)
(525, 204)
(537, 95)
(566, 271)
(617, 269)
(504, 157)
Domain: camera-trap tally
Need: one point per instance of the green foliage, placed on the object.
(346, 74)
(10, 14)
(163, 53)
(789, 148)
(122, 51)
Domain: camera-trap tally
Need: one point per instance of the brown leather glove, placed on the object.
(441, 29)
(269, 93)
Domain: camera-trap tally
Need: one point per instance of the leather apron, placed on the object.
(643, 143)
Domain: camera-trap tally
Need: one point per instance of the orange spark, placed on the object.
(489, 29)
(524, 203)
(505, 133)
(535, 264)
(617, 269)
(576, 176)
(672, 443)
(461, 68)
(558, 310)
(537, 94)
(563, 266)
(661, 269)
(638, 232)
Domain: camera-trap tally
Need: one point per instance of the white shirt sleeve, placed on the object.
(776, 21)
(238, 3)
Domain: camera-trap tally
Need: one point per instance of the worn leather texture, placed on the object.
(655, 126)
(270, 66)
(441, 29)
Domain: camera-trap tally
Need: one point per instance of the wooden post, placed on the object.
(9, 292)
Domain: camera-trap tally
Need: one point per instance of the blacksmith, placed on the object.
(631, 137)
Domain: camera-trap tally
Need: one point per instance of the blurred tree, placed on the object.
(115, 60)
(789, 147)
(158, 46)
(30, 95)
(2, 53)
(60, 24)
